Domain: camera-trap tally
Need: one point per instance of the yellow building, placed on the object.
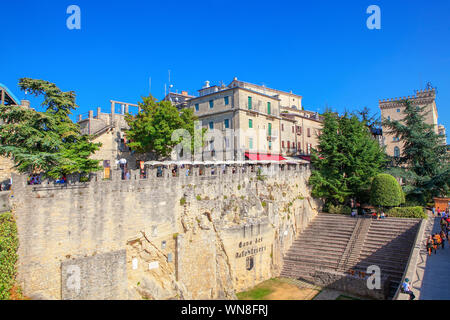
(392, 109)
(257, 122)
(248, 121)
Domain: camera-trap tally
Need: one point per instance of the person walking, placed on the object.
(430, 245)
(407, 289)
(437, 241)
(443, 237)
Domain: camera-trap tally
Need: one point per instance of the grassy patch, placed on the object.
(260, 292)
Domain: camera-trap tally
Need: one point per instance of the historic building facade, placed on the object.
(392, 109)
(267, 123)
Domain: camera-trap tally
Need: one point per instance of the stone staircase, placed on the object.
(342, 243)
(320, 246)
(388, 245)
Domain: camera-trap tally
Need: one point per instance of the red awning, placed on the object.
(264, 156)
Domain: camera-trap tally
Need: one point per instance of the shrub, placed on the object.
(8, 254)
(386, 191)
(338, 209)
(407, 212)
(199, 198)
(264, 204)
(182, 201)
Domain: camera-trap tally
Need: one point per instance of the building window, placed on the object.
(282, 144)
(227, 123)
(389, 118)
(398, 110)
(300, 130)
(250, 123)
(250, 143)
(196, 107)
(298, 147)
(288, 144)
(396, 152)
(249, 103)
(270, 130)
(282, 127)
(293, 129)
(226, 100)
(249, 263)
(268, 107)
(211, 125)
(211, 104)
(309, 132)
(270, 145)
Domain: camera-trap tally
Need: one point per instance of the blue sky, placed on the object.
(321, 50)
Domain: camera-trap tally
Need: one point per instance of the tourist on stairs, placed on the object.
(407, 289)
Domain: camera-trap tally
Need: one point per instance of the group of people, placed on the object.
(434, 241)
(437, 239)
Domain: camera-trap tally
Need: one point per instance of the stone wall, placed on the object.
(351, 284)
(200, 236)
(5, 204)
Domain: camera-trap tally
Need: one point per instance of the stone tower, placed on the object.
(393, 109)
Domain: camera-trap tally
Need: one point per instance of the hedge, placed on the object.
(8, 254)
(407, 212)
(339, 209)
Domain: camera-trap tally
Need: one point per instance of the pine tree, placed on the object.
(46, 142)
(424, 161)
(346, 160)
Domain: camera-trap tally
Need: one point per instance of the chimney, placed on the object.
(184, 93)
(206, 84)
(25, 103)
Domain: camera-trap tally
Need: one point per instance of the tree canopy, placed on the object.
(152, 129)
(424, 162)
(47, 142)
(346, 160)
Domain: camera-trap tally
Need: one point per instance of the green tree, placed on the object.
(48, 141)
(346, 160)
(424, 162)
(152, 129)
(386, 191)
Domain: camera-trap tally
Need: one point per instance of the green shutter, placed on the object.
(270, 129)
(249, 103)
(268, 107)
(250, 123)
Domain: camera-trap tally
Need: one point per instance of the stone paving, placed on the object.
(433, 272)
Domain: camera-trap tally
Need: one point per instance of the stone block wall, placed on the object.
(199, 237)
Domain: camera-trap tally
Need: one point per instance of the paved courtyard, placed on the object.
(433, 272)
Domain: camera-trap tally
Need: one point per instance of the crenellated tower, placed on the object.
(393, 109)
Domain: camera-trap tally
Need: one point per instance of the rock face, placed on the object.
(199, 237)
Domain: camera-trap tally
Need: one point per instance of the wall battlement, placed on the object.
(420, 97)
